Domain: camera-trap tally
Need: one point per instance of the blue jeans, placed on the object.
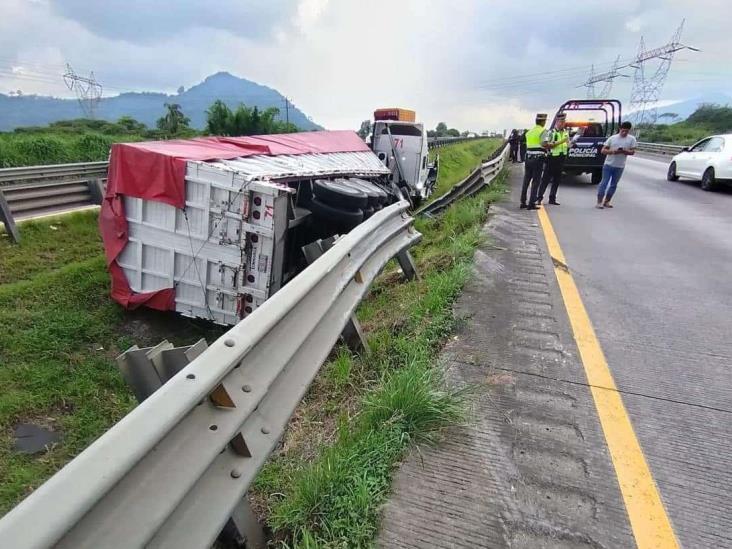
(610, 177)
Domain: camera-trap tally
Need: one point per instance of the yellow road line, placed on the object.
(648, 519)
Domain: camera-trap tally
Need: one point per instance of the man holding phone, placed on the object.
(616, 149)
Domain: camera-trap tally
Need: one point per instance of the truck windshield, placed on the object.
(398, 129)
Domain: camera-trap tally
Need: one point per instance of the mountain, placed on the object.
(686, 107)
(147, 107)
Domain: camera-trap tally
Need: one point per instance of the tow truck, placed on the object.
(401, 144)
(590, 122)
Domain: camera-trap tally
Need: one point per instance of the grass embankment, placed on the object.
(457, 161)
(325, 487)
(59, 336)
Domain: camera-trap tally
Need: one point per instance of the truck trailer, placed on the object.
(211, 227)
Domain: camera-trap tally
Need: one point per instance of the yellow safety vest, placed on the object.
(533, 138)
(558, 135)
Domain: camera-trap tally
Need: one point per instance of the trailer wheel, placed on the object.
(375, 195)
(596, 177)
(339, 195)
(348, 218)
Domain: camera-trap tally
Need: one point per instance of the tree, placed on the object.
(441, 130)
(181, 89)
(452, 132)
(131, 125)
(221, 120)
(174, 120)
(365, 129)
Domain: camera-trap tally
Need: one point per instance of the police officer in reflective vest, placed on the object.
(534, 162)
(558, 145)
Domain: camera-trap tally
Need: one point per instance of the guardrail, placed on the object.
(477, 179)
(35, 190)
(438, 142)
(658, 148)
(170, 473)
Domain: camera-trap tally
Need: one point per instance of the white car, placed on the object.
(708, 161)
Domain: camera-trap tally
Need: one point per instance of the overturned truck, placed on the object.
(211, 227)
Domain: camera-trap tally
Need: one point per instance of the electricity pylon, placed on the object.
(88, 90)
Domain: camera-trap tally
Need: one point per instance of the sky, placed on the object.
(475, 64)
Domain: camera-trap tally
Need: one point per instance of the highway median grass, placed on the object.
(333, 473)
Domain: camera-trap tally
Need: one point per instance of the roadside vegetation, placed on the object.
(85, 140)
(457, 161)
(326, 483)
(708, 119)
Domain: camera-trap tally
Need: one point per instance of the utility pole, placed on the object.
(286, 100)
(88, 90)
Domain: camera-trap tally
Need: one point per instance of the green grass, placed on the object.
(49, 244)
(330, 495)
(457, 161)
(60, 334)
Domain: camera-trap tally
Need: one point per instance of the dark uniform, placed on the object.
(522, 146)
(513, 143)
(555, 163)
(534, 161)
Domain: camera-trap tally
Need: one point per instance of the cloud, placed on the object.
(145, 21)
(473, 64)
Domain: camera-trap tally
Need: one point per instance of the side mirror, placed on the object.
(686, 149)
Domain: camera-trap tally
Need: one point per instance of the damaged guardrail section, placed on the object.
(170, 473)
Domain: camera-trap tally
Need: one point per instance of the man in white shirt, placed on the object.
(616, 149)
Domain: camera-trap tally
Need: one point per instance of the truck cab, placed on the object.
(590, 122)
(401, 144)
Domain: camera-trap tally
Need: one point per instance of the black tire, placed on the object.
(671, 174)
(339, 195)
(375, 195)
(708, 183)
(596, 177)
(349, 218)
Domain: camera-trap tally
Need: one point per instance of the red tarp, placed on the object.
(155, 170)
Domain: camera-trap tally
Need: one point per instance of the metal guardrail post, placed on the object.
(6, 216)
(352, 333)
(147, 370)
(406, 262)
(96, 189)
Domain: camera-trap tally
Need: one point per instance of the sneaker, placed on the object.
(532, 207)
(554, 202)
(599, 206)
(608, 205)
(522, 206)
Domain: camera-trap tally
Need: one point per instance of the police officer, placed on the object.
(557, 142)
(534, 161)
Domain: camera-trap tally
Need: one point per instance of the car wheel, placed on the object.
(671, 175)
(596, 177)
(335, 193)
(708, 183)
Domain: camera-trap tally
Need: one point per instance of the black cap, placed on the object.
(561, 116)
(541, 116)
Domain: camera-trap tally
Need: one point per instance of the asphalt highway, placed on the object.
(655, 275)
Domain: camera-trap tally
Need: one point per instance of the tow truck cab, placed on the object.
(593, 121)
(401, 144)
